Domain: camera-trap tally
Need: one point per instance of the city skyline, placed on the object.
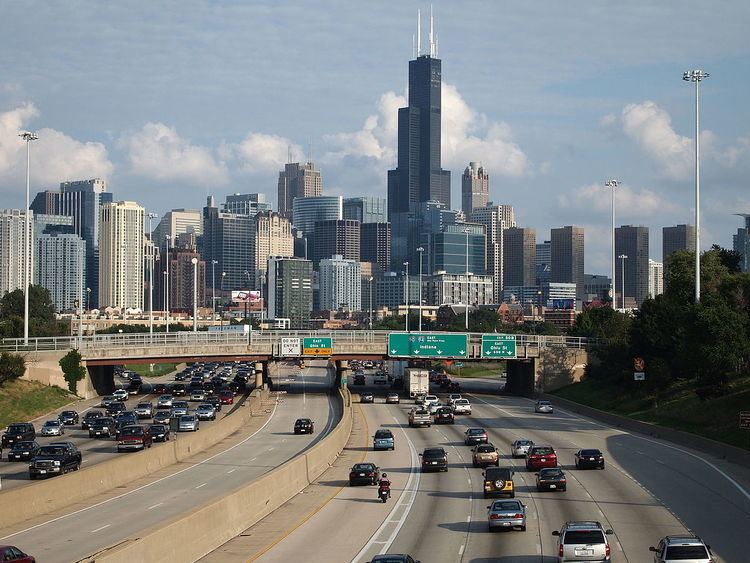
(548, 135)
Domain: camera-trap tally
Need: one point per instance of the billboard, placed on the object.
(246, 296)
(561, 303)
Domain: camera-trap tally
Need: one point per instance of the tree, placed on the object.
(603, 323)
(731, 259)
(12, 367)
(42, 321)
(71, 366)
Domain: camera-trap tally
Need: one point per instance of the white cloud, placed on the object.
(158, 152)
(630, 202)
(56, 157)
(259, 152)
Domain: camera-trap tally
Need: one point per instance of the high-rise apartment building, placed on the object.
(632, 242)
(390, 289)
(290, 290)
(453, 250)
(678, 237)
(596, 287)
(375, 245)
(655, 278)
(543, 261)
(272, 236)
(121, 242)
(297, 181)
(368, 209)
(13, 233)
(519, 256)
(309, 210)
(81, 200)
(475, 187)
(175, 223)
(228, 239)
(340, 284)
(495, 219)
(61, 268)
(566, 250)
(453, 289)
(741, 242)
(336, 237)
(246, 204)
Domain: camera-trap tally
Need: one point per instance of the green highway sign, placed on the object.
(322, 346)
(499, 346)
(427, 345)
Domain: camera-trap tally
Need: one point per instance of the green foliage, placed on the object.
(12, 367)
(42, 320)
(71, 366)
(603, 323)
(730, 259)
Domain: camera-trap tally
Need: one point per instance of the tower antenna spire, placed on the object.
(413, 46)
(419, 32)
(431, 36)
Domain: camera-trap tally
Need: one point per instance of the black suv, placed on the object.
(103, 427)
(303, 426)
(23, 451)
(90, 417)
(17, 432)
(434, 459)
(55, 459)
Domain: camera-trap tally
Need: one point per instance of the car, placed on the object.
(506, 514)
(589, 458)
(419, 398)
(179, 408)
(144, 409)
(68, 418)
(462, 406)
(303, 426)
(682, 548)
(474, 436)
(583, 541)
(159, 432)
(444, 415)
(89, 417)
(215, 401)
(53, 428)
(419, 416)
(55, 459)
(520, 447)
(485, 454)
(226, 397)
(394, 558)
(430, 400)
(434, 459)
(454, 386)
(115, 408)
(383, 440)
(392, 398)
(103, 427)
(134, 437)
(163, 417)
(539, 457)
(188, 423)
(543, 407)
(159, 389)
(17, 432)
(367, 398)
(134, 387)
(380, 379)
(551, 479)
(453, 397)
(498, 481)
(23, 451)
(106, 400)
(181, 375)
(198, 395)
(434, 407)
(205, 411)
(164, 402)
(12, 553)
(179, 390)
(120, 395)
(364, 473)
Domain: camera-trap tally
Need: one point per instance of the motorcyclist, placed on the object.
(384, 484)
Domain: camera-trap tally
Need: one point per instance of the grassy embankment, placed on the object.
(717, 418)
(477, 369)
(21, 400)
(144, 370)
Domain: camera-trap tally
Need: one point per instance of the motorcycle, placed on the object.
(384, 491)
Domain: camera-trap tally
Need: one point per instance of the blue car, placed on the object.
(383, 440)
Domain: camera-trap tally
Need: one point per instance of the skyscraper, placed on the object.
(655, 278)
(678, 237)
(368, 209)
(179, 261)
(519, 256)
(271, 236)
(633, 243)
(176, 222)
(246, 204)
(61, 268)
(121, 241)
(340, 284)
(336, 237)
(375, 245)
(475, 187)
(741, 242)
(296, 181)
(308, 211)
(495, 219)
(566, 250)
(290, 290)
(13, 232)
(543, 261)
(228, 239)
(447, 251)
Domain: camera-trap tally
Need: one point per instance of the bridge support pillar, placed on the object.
(260, 367)
(342, 373)
(521, 378)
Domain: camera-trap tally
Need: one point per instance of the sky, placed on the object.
(171, 101)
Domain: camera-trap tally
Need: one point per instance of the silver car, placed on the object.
(583, 541)
(188, 423)
(163, 417)
(179, 408)
(685, 549)
(520, 448)
(108, 400)
(164, 402)
(205, 411)
(543, 407)
(198, 395)
(506, 514)
(53, 428)
(144, 410)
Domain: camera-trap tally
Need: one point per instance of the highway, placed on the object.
(85, 531)
(647, 491)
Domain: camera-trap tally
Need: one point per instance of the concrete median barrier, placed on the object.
(53, 494)
(191, 536)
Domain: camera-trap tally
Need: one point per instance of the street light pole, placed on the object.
(80, 293)
(213, 290)
(696, 76)
(151, 274)
(168, 262)
(370, 280)
(223, 275)
(406, 293)
(467, 278)
(28, 137)
(421, 251)
(622, 258)
(612, 184)
(194, 261)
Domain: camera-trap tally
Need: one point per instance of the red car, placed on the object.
(539, 457)
(226, 397)
(11, 553)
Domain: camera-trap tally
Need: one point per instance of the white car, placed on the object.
(53, 428)
(453, 397)
(433, 408)
(430, 400)
(461, 406)
(520, 448)
(543, 407)
(120, 395)
(164, 402)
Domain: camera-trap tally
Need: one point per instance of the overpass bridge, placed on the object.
(537, 362)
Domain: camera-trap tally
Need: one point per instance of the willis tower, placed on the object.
(418, 177)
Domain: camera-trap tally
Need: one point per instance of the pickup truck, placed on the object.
(420, 417)
(56, 458)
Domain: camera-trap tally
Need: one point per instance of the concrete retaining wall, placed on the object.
(53, 494)
(191, 536)
(693, 441)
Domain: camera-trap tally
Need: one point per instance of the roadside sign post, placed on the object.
(745, 420)
(501, 346)
(427, 345)
(317, 346)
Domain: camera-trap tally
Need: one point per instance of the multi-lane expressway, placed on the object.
(89, 528)
(648, 490)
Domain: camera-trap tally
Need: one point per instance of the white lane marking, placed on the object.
(406, 501)
(147, 484)
(254, 459)
(461, 550)
(269, 449)
(232, 470)
(100, 529)
(468, 518)
(201, 485)
(154, 506)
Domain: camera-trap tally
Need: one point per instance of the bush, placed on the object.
(12, 367)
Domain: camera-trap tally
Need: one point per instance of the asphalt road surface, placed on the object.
(649, 489)
(86, 531)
